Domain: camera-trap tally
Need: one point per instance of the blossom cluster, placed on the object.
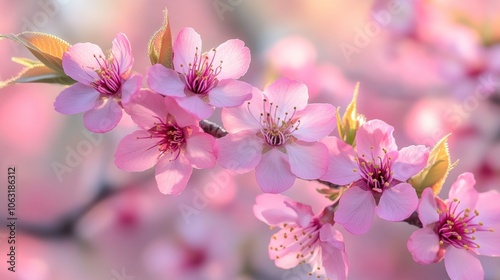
(280, 136)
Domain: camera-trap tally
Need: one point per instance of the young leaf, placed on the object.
(49, 49)
(36, 72)
(160, 45)
(351, 120)
(436, 170)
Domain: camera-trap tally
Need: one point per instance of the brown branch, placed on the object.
(213, 129)
(414, 220)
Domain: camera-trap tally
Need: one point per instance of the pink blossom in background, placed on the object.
(169, 138)
(103, 84)
(201, 81)
(457, 229)
(277, 133)
(303, 236)
(378, 173)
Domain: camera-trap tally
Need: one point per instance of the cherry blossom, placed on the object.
(169, 138)
(378, 173)
(457, 229)
(103, 85)
(277, 133)
(201, 81)
(303, 236)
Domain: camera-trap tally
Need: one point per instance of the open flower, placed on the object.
(277, 133)
(103, 85)
(459, 228)
(170, 138)
(303, 237)
(201, 81)
(377, 171)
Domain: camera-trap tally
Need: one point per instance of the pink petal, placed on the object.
(131, 86)
(410, 161)
(246, 116)
(341, 163)
(122, 53)
(187, 44)
(104, 117)
(489, 241)
(397, 203)
(375, 134)
(276, 210)
(165, 81)
(316, 122)
(235, 59)
(424, 246)
(286, 255)
(308, 160)
(462, 264)
(146, 107)
(288, 95)
(172, 175)
(76, 99)
(463, 190)
(200, 150)
(356, 210)
(273, 172)
(334, 258)
(136, 152)
(487, 205)
(195, 105)
(427, 208)
(240, 152)
(230, 93)
(182, 118)
(80, 62)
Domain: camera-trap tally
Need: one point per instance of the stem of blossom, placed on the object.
(414, 220)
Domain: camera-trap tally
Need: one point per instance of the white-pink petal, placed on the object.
(427, 208)
(137, 152)
(235, 59)
(373, 136)
(397, 203)
(334, 258)
(316, 122)
(131, 86)
(342, 167)
(273, 172)
(276, 209)
(165, 81)
(172, 175)
(81, 61)
(356, 210)
(240, 152)
(463, 190)
(76, 99)
(122, 53)
(288, 95)
(182, 117)
(308, 160)
(410, 161)
(200, 150)
(230, 93)
(104, 117)
(462, 264)
(246, 116)
(424, 246)
(146, 108)
(186, 45)
(195, 105)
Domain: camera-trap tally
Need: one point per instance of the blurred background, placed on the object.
(428, 68)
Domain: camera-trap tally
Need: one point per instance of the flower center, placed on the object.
(110, 81)
(276, 130)
(171, 136)
(376, 173)
(457, 229)
(201, 75)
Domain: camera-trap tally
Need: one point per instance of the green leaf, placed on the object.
(351, 120)
(436, 170)
(36, 72)
(49, 49)
(160, 45)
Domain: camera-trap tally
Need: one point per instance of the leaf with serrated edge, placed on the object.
(49, 49)
(160, 45)
(36, 72)
(437, 168)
